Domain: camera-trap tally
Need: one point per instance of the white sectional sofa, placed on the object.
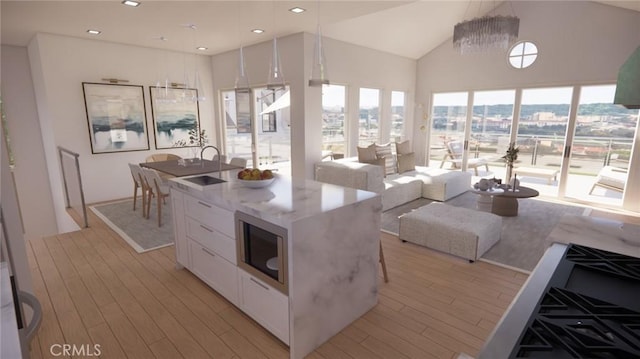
(396, 189)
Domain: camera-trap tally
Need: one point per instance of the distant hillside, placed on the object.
(505, 111)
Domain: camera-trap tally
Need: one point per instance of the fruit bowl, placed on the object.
(256, 183)
(255, 178)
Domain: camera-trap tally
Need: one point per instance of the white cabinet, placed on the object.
(265, 305)
(216, 271)
(179, 231)
(211, 215)
(209, 237)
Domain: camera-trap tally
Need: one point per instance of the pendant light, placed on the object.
(196, 85)
(319, 74)
(276, 77)
(242, 79)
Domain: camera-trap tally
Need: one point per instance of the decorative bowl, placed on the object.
(256, 183)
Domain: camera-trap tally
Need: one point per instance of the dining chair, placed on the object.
(138, 182)
(238, 162)
(157, 188)
(157, 157)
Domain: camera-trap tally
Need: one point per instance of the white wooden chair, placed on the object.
(157, 188)
(138, 182)
(238, 162)
(454, 155)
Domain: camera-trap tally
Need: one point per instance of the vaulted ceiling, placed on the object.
(405, 28)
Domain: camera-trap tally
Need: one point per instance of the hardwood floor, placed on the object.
(96, 290)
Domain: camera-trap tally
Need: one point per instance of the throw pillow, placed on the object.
(403, 148)
(367, 153)
(384, 151)
(406, 162)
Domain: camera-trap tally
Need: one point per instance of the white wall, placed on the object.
(60, 65)
(348, 64)
(579, 42)
(30, 171)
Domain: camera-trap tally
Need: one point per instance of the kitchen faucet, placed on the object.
(219, 158)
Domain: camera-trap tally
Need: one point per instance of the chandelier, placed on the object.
(485, 33)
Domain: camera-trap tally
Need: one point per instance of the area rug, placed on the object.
(522, 241)
(140, 233)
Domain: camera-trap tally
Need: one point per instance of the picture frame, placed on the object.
(116, 117)
(175, 113)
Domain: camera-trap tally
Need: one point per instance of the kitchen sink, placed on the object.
(204, 180)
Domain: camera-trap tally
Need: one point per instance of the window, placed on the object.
(369, 119)
(523, 54)
(333, 107)
(397, 116)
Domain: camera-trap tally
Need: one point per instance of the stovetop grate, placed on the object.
(572, 324)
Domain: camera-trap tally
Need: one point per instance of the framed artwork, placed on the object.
(116, 117)
(269, 122)
(175, 114)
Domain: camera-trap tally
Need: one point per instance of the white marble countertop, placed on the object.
(605, 234)
(283, 202)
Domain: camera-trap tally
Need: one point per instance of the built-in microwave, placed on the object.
(262, 250)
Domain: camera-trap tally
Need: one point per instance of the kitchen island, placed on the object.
(331, 252)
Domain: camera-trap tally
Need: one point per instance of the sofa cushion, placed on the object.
(403, 148)
(406, 162)
(399, 190)
(367, 154)
(378, 162)
(384, 151)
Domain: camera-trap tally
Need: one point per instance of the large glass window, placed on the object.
(397, 116)
(261, 116)
(333, 114)
(369, 119)
(602, 145)
(273, 129)
(449, 116)
(491, 123)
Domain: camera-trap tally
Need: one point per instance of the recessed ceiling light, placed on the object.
(257, 31)
(297, 10)
(131, 3)
(94, 32)
(201, 48)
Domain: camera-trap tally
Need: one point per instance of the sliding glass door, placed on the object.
(601, 147)
(542, 129)
(447, 130)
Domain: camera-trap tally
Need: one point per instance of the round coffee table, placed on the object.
(506, 203)
(486, 198)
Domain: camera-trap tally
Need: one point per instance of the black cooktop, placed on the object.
(590, 309)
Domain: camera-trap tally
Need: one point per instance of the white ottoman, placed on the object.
(459, 231)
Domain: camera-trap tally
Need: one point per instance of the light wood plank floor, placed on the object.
(95, 289)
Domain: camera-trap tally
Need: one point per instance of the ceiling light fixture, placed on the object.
(276, 77)
(257, 31)
(94, 32)
(486, 33)
(201, 48)
(297, 10)
(131, 3)
(242, 79)
(319, 74)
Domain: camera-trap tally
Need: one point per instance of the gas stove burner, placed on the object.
(570, 325)
(589, 310)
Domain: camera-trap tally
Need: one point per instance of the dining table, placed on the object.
(188, 167)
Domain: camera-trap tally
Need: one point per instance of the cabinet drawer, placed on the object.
(212, 239)
(265, 305)
(211, 215)
(216, 271)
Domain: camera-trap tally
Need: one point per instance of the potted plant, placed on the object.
(196, 141)
(510, 157)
